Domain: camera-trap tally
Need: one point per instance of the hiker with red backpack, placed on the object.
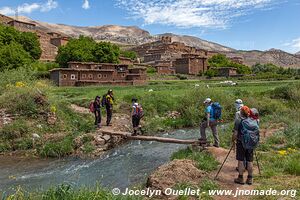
(137, 114)
(247, 139)
(95, 107)
(213, 112)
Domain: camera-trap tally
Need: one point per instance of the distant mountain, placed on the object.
(127, 35)
(133, 36)
(274, 56)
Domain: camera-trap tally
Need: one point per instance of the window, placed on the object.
(73, 77)
(99, 76)
(65, 76)
(91, 76)
(105, 76)
(83, 75)
(123, 75)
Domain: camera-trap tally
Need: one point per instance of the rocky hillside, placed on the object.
(132, 36)
(274, 56)
(127, 35)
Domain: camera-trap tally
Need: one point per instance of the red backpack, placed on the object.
(92, 107)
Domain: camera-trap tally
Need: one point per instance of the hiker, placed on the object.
(247, 138)
(209, 121)
(238, 104)
(136, 114)
(96, 109)
(108, 102)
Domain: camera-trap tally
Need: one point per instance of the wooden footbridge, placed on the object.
(129, 136)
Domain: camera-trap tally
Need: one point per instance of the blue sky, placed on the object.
(240, 24)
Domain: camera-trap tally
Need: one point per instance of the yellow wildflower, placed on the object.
(53, 109)
(20, 84)
(282, 152)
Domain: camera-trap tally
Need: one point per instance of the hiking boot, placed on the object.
(249, 180)
(239, 180)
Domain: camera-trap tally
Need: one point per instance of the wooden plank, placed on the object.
(152, 138)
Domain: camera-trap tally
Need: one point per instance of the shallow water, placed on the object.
(122, 167)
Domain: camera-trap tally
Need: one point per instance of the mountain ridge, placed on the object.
(134, 36)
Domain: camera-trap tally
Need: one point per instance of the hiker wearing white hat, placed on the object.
(209, 121)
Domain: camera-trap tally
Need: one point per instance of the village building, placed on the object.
(190, 64)
(90, 73)
(22, 26)
(125, 61)
(164, 67)
(239, 60)
(225, 71)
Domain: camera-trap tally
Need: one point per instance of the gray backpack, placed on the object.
(249, 130)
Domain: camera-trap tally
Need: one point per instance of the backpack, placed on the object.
(103, 101)
(249, 130)
(217, 110)
(139, 111)
(92, 107)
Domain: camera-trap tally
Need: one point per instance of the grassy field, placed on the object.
(31, 101)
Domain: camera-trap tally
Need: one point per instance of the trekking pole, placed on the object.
(257, 164)
(224, 162)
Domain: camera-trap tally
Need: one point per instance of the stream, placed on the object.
(122, 167)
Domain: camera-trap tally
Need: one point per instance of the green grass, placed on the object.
(204, 160)
(66, 192)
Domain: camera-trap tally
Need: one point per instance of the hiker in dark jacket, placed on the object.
(109, 106)
(243, 154)
(97, 112)
(136, 115)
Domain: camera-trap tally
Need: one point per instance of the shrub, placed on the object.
(205, 161)
(57, 149)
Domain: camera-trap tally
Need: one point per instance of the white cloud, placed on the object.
(86, 4)
(29, 8)
(191, 13)
(294, 44)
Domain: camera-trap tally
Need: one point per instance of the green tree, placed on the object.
(129, 54)
(13, 56)
(85, 49)
(221, 60)
(29, 41)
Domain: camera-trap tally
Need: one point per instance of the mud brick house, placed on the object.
(191, 64)
(164, 67)
(22, 26)
(225, 71)
(125, 61)
(239, 60)
(89, 73)
(4, 19)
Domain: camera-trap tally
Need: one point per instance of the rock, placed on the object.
(77, 142)
(51, 119)
(35, 136)
(99, 141)
(106, 137)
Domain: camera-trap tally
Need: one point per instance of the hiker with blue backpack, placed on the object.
(247, 139)
(213, 113)
(137, 114)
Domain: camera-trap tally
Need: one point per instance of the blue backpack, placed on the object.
(217, 110)
(249, 130)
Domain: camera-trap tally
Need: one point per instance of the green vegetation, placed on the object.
(220, 60)
(17, 49)
(204, 160)
(129, 54)
(66, 192)
(85, 49)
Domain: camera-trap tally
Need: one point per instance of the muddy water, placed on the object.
(125, 166)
